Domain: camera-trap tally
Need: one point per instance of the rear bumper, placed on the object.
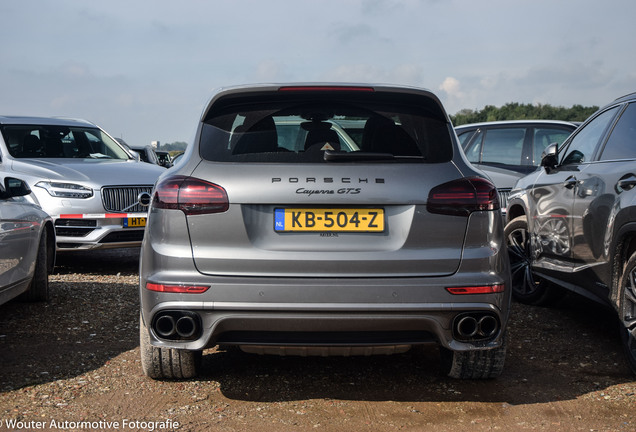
(331, 312)
(327, 309)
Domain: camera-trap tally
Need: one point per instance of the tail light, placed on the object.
(326, 88)
(190, 195)
(463, 196)
(479, 289)
(181, 289)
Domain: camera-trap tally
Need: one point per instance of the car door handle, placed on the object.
(627, 182)
(570, 182)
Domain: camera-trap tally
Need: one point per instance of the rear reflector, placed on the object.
(463, 196)
(190, 195)
(181, 289)
(484, 289)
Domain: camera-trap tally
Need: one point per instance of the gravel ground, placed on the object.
(73, 364)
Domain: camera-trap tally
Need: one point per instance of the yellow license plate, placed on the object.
(134, 222)
(328, 220)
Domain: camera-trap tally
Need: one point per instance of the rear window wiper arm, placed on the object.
(333, 156)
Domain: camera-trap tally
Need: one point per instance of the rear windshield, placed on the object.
(325, 129)
(48, 141)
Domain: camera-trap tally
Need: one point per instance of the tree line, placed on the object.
(517, 111)
(173, 147)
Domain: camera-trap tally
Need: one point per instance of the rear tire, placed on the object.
(475, 364)
(627, 311)
(39, 287)
(166, 363)
(527, 287)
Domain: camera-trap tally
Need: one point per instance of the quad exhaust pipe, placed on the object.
(476, 327)
(177, 325)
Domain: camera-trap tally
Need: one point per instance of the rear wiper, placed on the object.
(333, 156)
(494, 163)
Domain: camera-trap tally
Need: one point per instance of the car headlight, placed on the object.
(66, 190)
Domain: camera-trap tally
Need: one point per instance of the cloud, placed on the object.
(382, 8)
(554, 84)
(269, 71)
(407, 74)
(74, 70)
(402, 74)
(146, 68)
(454, 98)
(588, 83)
(451, 87)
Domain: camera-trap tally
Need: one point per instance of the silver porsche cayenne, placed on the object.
(324, 219)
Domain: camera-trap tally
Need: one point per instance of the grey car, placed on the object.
(509, 149)
(512, 144)
(311, 248)
(27, 245)
(94, 189)
(572, 224)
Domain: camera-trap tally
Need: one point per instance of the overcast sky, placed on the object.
(143, 70)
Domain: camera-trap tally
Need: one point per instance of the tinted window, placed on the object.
(622, 142)
(500, 145)
(43, 141)
(543, 137)
(152, 156)
(301, 131)
(473, 151)
(582, 146)
(464, 137)
(503, 146)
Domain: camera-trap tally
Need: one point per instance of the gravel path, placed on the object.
(73, 364)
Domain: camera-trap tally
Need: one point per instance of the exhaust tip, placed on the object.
(467, 327)
(177, 325)
(186, 327)
(165, 326)
(476, 327)
(488, 326)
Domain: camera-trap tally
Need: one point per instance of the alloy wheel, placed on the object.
(523, 279)
(628, 315)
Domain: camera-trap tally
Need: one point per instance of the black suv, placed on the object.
(572, 224)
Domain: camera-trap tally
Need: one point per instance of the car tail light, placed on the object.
(326, 88)
(190, 195)
(480, 289)
(463, 196)
(180, 289)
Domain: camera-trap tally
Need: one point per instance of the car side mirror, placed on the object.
(14, 187)
(549, 157)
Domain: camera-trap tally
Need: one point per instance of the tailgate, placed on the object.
(338, 221)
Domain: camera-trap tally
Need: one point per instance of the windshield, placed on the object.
(46, 141)
(324, 131)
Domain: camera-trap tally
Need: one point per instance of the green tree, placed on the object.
(175, 146)
(517, 111)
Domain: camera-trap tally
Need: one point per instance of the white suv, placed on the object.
(95, 190)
